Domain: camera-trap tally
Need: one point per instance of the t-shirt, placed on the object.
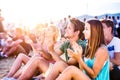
(113, 46)
(67, 45)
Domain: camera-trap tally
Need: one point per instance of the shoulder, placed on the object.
(102, 51)
(115, 40)
(66, 43)
(102, 48)
(81, 42)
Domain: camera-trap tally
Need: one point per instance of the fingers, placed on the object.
(70, 52)
(75, 45)
(77, 48)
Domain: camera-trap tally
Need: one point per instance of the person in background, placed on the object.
(118, 26)
(114, 28)
(109, 18)
(20, 34)
(94, 64)
(1, 25)
(64, 24)
(113, 45)
(10, 47)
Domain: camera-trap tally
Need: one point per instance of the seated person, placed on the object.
(20, 34)
(10, 47)
(113, 45)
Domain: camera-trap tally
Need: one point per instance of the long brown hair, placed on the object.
(78, 26)
(96, 38)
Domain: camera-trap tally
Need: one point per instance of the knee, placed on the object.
(38, 60)
(60, 64)
(21, 55)
(72, 68)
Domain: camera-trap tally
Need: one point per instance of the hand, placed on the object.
(49, 45)
(50, 48)
(28, 40)
(111, 66)
(19, 41)
(77, 53)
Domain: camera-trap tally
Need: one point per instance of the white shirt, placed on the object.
(113, 46)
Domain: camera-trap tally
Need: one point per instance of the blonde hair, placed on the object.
(55, 32)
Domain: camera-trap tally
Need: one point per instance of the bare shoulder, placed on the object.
(102, 51)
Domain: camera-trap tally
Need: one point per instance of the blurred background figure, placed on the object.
(1, 25)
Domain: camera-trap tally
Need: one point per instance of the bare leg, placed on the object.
(72, 73)
(56, 70)
(17, 74)
(22, 58)
(32, 66)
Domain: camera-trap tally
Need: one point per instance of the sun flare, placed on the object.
(32, 12)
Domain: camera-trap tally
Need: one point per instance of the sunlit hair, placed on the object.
(19, 30)
(50, 32)
(96, 38)
(78, 26)
(55, 31)
(108, 23)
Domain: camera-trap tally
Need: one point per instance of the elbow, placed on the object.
(93, 76)
(118, 62)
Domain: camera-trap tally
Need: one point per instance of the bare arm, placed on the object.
(116, 59)
(56, 52)
(46, 55)
(72, 61)
(101, 57)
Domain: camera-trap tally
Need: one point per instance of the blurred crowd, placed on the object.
(82, 50)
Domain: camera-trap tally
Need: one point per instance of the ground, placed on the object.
(5, 65)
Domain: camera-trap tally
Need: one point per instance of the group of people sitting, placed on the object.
(89, 52)
(13, 45)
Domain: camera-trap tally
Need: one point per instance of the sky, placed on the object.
(34, 11)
